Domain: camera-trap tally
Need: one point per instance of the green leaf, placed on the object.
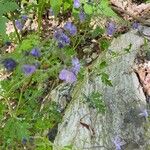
(7, 6)
(128, 48)
(88, 9)
(97, 31)
(104, 44)
(105, 9)
(95, 101)
(56, 6)
(67, 4)
(102, 65)
(3, 21)
(105, 79)
(15, 129)
(28, 43)
(69, 147)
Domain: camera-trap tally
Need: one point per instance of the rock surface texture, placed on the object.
(122, 126)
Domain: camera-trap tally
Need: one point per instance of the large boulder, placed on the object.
(122, 126)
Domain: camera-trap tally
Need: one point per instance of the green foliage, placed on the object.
(88, 9)
(95, 101)
(67, 4)
(56, 5)
(30, 42)
(128, 48)
(26, 108)
(97, 32)
(102, 65)
(3, 21)
(105, 79)
(105, 9)
(6, 6)
(15, 129)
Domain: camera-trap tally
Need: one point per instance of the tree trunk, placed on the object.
(121, 127)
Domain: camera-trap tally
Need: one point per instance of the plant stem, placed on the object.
(17, 33)
(20, 98)
(40, 11)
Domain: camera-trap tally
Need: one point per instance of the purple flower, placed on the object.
(135, 25)
(118, 143)
(24, 17)
(82, 15)
(71, 28)
(24, 141)
(70, 75)
(111, 28)
(61, 38)
(76, 4)
(18, 25)
(9, 64)
(144, 113)
(67, 76)
(28, 69)
(35, 52)
(75, 65)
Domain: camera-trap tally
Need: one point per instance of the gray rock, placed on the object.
(85, 128)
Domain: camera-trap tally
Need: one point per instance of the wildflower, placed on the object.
(111, 28)
(71, 28)
(70, 75)
(24, 17)
(118, 143)
(62, 38)
(135, 25)
(24, 141)
(67, 76)
(76, 4)
(75, 65)
(144, 113)
(82, 15)
(28, 69)
(18, 24)
(35, 52)
(9, 64)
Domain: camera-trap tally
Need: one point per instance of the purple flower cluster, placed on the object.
(69, 76)
(76, 4)
(24, 17)
(111, 28)
(9, 64)
(82, 16)
(18, 24)
(135, 25)
(62, 38)
(71, 28)
(28, 69)
(118, 143)
(144, 113)
(75, 65)
(35, 52)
